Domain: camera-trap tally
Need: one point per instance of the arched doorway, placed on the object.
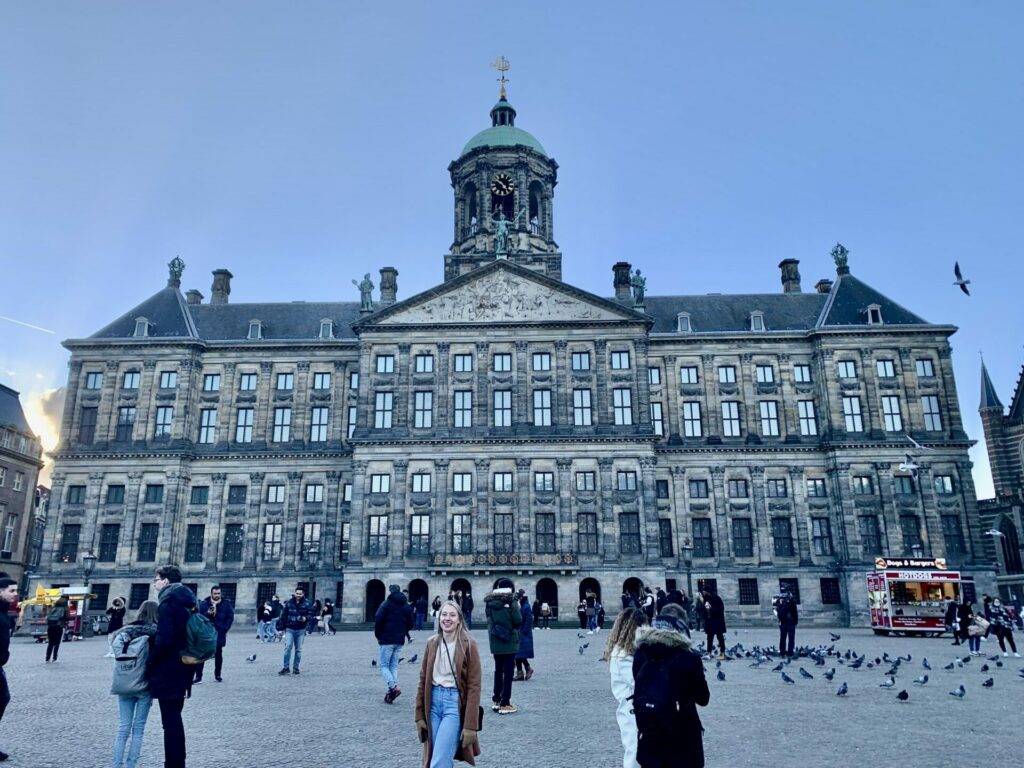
(547, 592)
(374, 597)
(590, 584)
(633, 587)
(462, 585)
(417, 589)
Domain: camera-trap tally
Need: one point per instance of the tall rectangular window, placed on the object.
(629, 533)
(321, 381)
(688, 374)
(138, 594)
(703, 543)
(748, 592)
(421, 482)
(419, 535)
(620, 361)
(377, 543)
(870, 535)
(463, 363)
(543, 481)
(692, 426)
(70, 534)
(542, 407)
(846, 369)
(931, 412)
(353, 381)
(727, 374)
(502, 363)
(462, 534)
(208, 425)
(654, 376)
(164, 419)
(622, 403)
(625, 481)
(765, 374)
(775, 488)
(247, 382)
(237, 494)
(125, 423)
(657, 420)
(891, 413)
(273, 533)
(731, 419)
(666, 545)
(285, 382)
(885, 369)
(581, 361)
(87, 426)
(275, 493)
(782, 536)
(808, 423)
(282, 425)
(243, 432)
(769, 418)
(816, 487)
(346, 542)
(542, 361)
(314, 493)
(863, 485)
(586, 533)
(424, 364)
(830, 594)
(463, 408)
(168, 379)
(504, 535)
(821, 536)
(742, 537)
(146, 548)
(462, 482)
(211, 382)
(545, 532)
(925, 368)
(199, 494)
(911, 527)
(503, 482)
(903, 484)
(194, 536)
(380, 483)
(130, 380)
(318, 421)
(738, 489)
(353, 415)
(953, 534)
(154, 494)
(76, 493)
(383, 403)
(385, 363)
(234, 540)
(115, 494)
(802, 373)
(581, 413)
(310, 537)
(851, 414)
(109, 535)
(502, 408)
(698, 489)
(586, 481)
(423, 410)
(943, 484)
(661, 488)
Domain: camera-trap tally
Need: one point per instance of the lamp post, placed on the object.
(313, 559)
(687, 550)
(88, 566)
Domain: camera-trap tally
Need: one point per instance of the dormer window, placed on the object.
(757, 321)
(874, 314)
(326, 329)
(683, 324)
(142, 326)
(255, 329)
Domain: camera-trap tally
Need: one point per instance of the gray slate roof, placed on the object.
(11, 414)
(294, 321)
(166, 311)
(709, 313)
(989, 396)
(849, 300)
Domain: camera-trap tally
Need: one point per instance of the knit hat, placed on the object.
(670, 623)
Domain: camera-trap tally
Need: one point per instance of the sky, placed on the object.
(302, 144)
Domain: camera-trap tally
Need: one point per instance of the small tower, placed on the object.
(993, 423)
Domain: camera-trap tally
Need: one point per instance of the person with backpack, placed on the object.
(545, 616)
(668, 686)
(56, 624)
(222, 615)
(618, 652)
(131, 652)
(169, 675)
(391, 625)
(788, 616)
(590, 606)
(8, 595)
(291, 626)
(503, 622)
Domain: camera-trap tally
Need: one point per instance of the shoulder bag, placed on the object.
(458, 748)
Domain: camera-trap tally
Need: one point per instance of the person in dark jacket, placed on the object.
(327, 616)
(222, 615)
(391, 624)
(1003, 626)
(523, 669)
(714, 624)
(467, 608)
(8, 595)
(952, 624)
(660, 598)
(680, 744)
(168, 676)
(503, 622)
(115, 620)
(421, 612)
(56, 624)
(291, 626)
(788, 617)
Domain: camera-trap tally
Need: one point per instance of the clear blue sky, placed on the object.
(302, 144)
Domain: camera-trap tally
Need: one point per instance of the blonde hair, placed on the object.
(623, 634)
(461, 633)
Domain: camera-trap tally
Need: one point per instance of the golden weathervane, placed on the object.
(501, 64)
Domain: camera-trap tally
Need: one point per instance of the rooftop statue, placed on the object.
(365, 292)
(840, 255)
(639, 286)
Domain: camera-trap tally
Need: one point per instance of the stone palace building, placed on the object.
(505, 422)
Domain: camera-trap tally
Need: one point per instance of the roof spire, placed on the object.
(501, 64)
(989, 398)
(174, 269)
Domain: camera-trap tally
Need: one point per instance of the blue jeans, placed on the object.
(974, 643)
(389, 664)
(134, 712)
(444, 726)
(592, 622)
(419, 621)
(293, 637)
(468, 615)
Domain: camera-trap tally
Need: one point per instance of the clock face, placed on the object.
(502, 185)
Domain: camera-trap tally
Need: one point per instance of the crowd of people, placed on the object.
(973, 627)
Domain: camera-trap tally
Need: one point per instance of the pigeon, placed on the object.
(984, 668)
(889, 683)
(834, 637)
(401, 659)
(414, 657)
(925, 664)
(373, 662)
(251, 659)
(842, 690)
(999, 664)
(922, 680)
(949, 667)
(718, 665)
(779, 667)
(960, 278)
(580, 634)
(580, 650)
(902, 695)
(805, 674)
(787, 679)
(959, 692)
(830, 674)
(721, 675)
(586, 645)
(989, 683)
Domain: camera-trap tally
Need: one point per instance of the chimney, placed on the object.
(621, 281)
(823, 286)
(193, 296)
(790, 275)
(221, 288)
(388, 286)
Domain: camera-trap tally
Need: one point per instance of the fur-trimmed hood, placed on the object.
(667, 638)
(500, 595)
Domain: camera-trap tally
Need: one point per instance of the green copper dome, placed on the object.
(503, 136)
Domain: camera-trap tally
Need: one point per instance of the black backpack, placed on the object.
(654, 703)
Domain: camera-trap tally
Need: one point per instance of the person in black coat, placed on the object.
(788, 617)
(222, 615)
(8, 595)
(391, 624)
(467, 608)
(678, 744)
(714, 624)
(952, 624)
(168, 676)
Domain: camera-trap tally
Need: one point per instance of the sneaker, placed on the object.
(590, 631)
(529, 673)
(1016, 655)
(1005, 653)
(295, 671)
(284, 671)
(395, 693)
(219, 679)
(518, 679)
(507, 709)
(108, 655)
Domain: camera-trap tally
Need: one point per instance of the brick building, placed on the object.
(20, 462)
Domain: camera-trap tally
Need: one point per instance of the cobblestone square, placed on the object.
(333, 715)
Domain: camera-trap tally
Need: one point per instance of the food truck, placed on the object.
(908, 595)
(34, 611)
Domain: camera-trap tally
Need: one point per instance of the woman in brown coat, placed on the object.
(448, 695)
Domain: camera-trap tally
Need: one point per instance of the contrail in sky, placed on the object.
(27, 325)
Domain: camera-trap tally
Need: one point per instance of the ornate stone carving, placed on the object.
(563, 462)
(257, 477)
(400, 465)
(266, 367)
(482, 464)
(522, 464)
(219, 477)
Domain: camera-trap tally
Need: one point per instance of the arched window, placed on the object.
(536, 210)
(1011, 546)
(472, 209)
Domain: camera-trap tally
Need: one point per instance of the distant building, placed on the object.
(39, 512)
(20, 462)
(1003, 516)
(505, 422)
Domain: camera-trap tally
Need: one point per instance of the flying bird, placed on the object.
(994, 532)
(902, 695)
(889, 683)
(251, 659)
(787, 679)
(960, 278)
(922, 680)
(917, 444)
(843, 690)
(959, 692)
(721, 675)
(910, 465)
(989, 683)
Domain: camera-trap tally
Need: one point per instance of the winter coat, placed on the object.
(950, 614)
(5, 633)
(965, 616)
(466, 665)
(467, 603)
(660, 599)
(222, 619)
(526, 633)
(168, 676)
(1000, 617)
(715, 622)
(502, 610)
(275, 609)
(683, 746)
(620, 666)
(295, 615)
(787, 612)
(421, 606)
(393, 620)
(116, 619)
(675, 596)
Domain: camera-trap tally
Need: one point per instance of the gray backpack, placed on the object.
(131, 652)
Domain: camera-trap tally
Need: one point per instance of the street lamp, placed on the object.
(88, 566)
(313, 559)
(687, 550)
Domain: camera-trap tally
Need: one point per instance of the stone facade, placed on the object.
(20, 462)
(507, 423)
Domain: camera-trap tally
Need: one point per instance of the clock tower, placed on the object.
(504, 185)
